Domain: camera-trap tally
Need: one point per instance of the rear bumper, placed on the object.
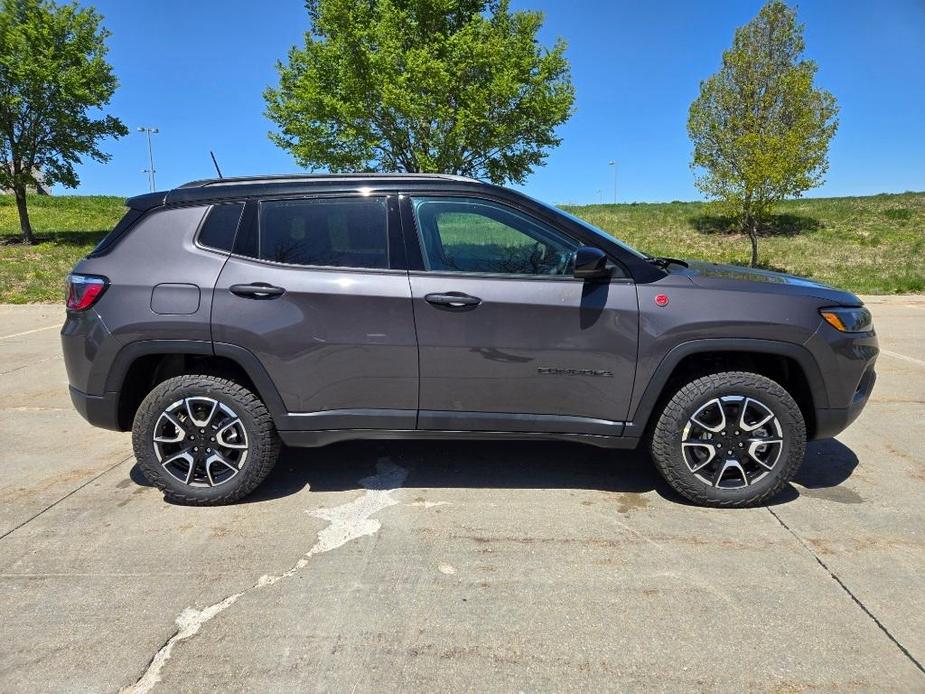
(100, 410)
(89, 349)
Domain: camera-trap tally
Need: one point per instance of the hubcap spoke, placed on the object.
(755, 444)
(186, 457)
(221, 440)
(765, 416)
(210, 404)
(706, 445)
(179, 430)
(736, 467)
(218, 458)
(711, 427)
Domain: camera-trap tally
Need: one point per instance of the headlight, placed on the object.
(856, 319)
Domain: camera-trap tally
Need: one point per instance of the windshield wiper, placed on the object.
(663, 261)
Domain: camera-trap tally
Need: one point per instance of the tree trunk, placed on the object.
(24, 225)
(753, 237)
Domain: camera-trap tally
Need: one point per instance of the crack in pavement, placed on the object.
(844, 587)
(346, 522)
(29, 365)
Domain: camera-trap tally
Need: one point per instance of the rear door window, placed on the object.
(327, 232)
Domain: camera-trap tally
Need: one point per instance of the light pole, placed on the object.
(150, 170)
(614, 165)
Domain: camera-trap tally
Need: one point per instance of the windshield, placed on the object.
(594, 230)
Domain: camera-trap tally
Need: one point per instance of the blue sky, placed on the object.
(196, 69)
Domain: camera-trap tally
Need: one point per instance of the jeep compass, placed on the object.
(225, 317)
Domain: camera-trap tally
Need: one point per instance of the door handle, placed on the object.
(257, 290)
(455, 300)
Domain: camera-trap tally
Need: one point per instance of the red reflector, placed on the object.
(84, 290)
(661, 299)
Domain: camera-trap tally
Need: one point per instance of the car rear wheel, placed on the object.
(204, 440)
(729, 439)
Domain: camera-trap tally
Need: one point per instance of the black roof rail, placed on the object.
(286, 178)
(215, 189)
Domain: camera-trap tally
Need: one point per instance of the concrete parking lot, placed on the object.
(457, 566)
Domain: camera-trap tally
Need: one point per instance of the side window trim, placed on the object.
(398, 256)
(413, 242)
(247, 232)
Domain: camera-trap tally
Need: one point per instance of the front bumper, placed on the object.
(833, 420)
(846, 362)
(100, 410)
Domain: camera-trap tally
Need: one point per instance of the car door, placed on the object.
(509, 340)
(316, 289)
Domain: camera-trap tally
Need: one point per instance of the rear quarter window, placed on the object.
(219, 228)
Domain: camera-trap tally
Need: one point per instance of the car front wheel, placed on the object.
(729, 439)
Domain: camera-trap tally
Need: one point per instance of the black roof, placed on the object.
(211, 189)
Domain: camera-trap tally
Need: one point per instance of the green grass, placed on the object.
(873, 244)
(67, 228)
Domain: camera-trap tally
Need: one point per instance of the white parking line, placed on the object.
(29, 332)
(897, 355)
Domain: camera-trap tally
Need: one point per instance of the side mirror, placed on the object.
(591, 264)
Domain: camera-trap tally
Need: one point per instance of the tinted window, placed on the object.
(332, 232)
(219, 228)
(467, 235)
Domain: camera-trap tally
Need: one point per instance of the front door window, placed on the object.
(476, 236)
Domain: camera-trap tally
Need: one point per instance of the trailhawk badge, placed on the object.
(550, 371)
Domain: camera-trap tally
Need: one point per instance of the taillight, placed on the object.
(84, 290)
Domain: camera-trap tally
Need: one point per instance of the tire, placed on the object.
(740, 472)
(231, 452)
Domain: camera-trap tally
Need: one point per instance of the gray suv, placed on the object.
(224, 317)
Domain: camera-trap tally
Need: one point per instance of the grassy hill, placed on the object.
(67, 227)
(873, 244)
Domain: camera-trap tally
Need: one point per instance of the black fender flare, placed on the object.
(111, 377)
(802, 356)
(253, 367)
(114, 378)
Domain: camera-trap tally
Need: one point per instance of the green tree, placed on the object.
(448, 86)
(53, 71)
(760, 129)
